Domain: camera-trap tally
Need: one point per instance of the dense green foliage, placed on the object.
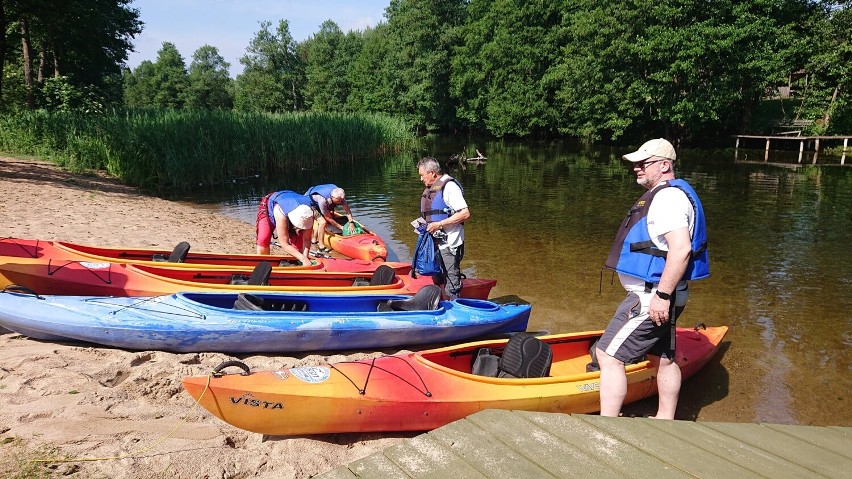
(84, 42)
(185, 148)
(269, 81)
(693, 71)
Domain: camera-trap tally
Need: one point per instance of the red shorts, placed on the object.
(264, 228)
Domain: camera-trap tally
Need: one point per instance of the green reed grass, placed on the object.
(181, 149)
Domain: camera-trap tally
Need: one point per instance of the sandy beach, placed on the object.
(121, 413)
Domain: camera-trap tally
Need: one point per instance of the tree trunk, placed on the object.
(28, 70)
(827, 117)
(40, 74)
(55, 61)
(2, 45)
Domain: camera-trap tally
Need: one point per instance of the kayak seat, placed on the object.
(259, 276)
(178, 254)
(384, 275)
(485, 363)
(427, 299)
(250, 302)
(525, 356)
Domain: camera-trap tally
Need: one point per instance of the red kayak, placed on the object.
(179, 257)
(94, 278)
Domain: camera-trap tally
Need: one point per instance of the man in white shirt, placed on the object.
(444, 208)
(660, 246)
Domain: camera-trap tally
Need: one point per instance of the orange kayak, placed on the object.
(37, 249)
(366, 246)
(425, 390)
(94, 278)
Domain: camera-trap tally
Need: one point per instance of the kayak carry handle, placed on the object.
(217, 371)
(16, 288)
(699, 326)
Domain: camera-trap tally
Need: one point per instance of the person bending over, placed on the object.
(324, 199)
(289, 215)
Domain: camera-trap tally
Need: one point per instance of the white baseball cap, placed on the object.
(657, 147)
(301, 217)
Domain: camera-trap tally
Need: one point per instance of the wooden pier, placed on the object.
(806, 143)
(503, 444)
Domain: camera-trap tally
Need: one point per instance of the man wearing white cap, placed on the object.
(290, 216)
(660, 246)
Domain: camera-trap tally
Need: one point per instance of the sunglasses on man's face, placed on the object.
(644, 164)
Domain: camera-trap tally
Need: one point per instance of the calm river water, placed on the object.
(544, 216)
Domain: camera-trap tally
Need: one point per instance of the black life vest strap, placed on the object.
(647, 247)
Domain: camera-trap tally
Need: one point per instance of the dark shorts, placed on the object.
(454, 278)
(631, 334)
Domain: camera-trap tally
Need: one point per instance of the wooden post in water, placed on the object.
(766, 154)
(816, 150)
(736, 148)
(843, 157)
(801, 149)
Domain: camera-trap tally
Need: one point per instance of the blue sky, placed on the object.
(229, 25)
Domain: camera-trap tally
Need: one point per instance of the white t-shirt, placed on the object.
(670, 210)
(454, 198)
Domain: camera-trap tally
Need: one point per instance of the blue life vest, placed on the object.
(634, 254)
(432, 205)
(322, 190)
(288, 200)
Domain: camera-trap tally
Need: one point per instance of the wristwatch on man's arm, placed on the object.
(664, 296)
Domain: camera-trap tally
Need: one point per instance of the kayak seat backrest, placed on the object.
(525, 356)
(485, 363)
(259, 276)
(384, 275)
(250, 302)
(427, 299)
(178, 254)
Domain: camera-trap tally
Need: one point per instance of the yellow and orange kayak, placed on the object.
(94, 278)
(62, 250)
(366, 245)
(424, 390)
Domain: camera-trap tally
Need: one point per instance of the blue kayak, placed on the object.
(255, 323)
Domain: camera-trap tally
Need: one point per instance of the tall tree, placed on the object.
(326, 69)
(682, 68)
(369, 79)
(209, 84)
(504, 50)
(270, 78)
(418, 62)
(828, 65)
(140, 86)
(84, 40)
(169, 78)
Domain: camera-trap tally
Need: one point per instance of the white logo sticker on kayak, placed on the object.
(311, 374)
(87, 264)
(281, 374)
